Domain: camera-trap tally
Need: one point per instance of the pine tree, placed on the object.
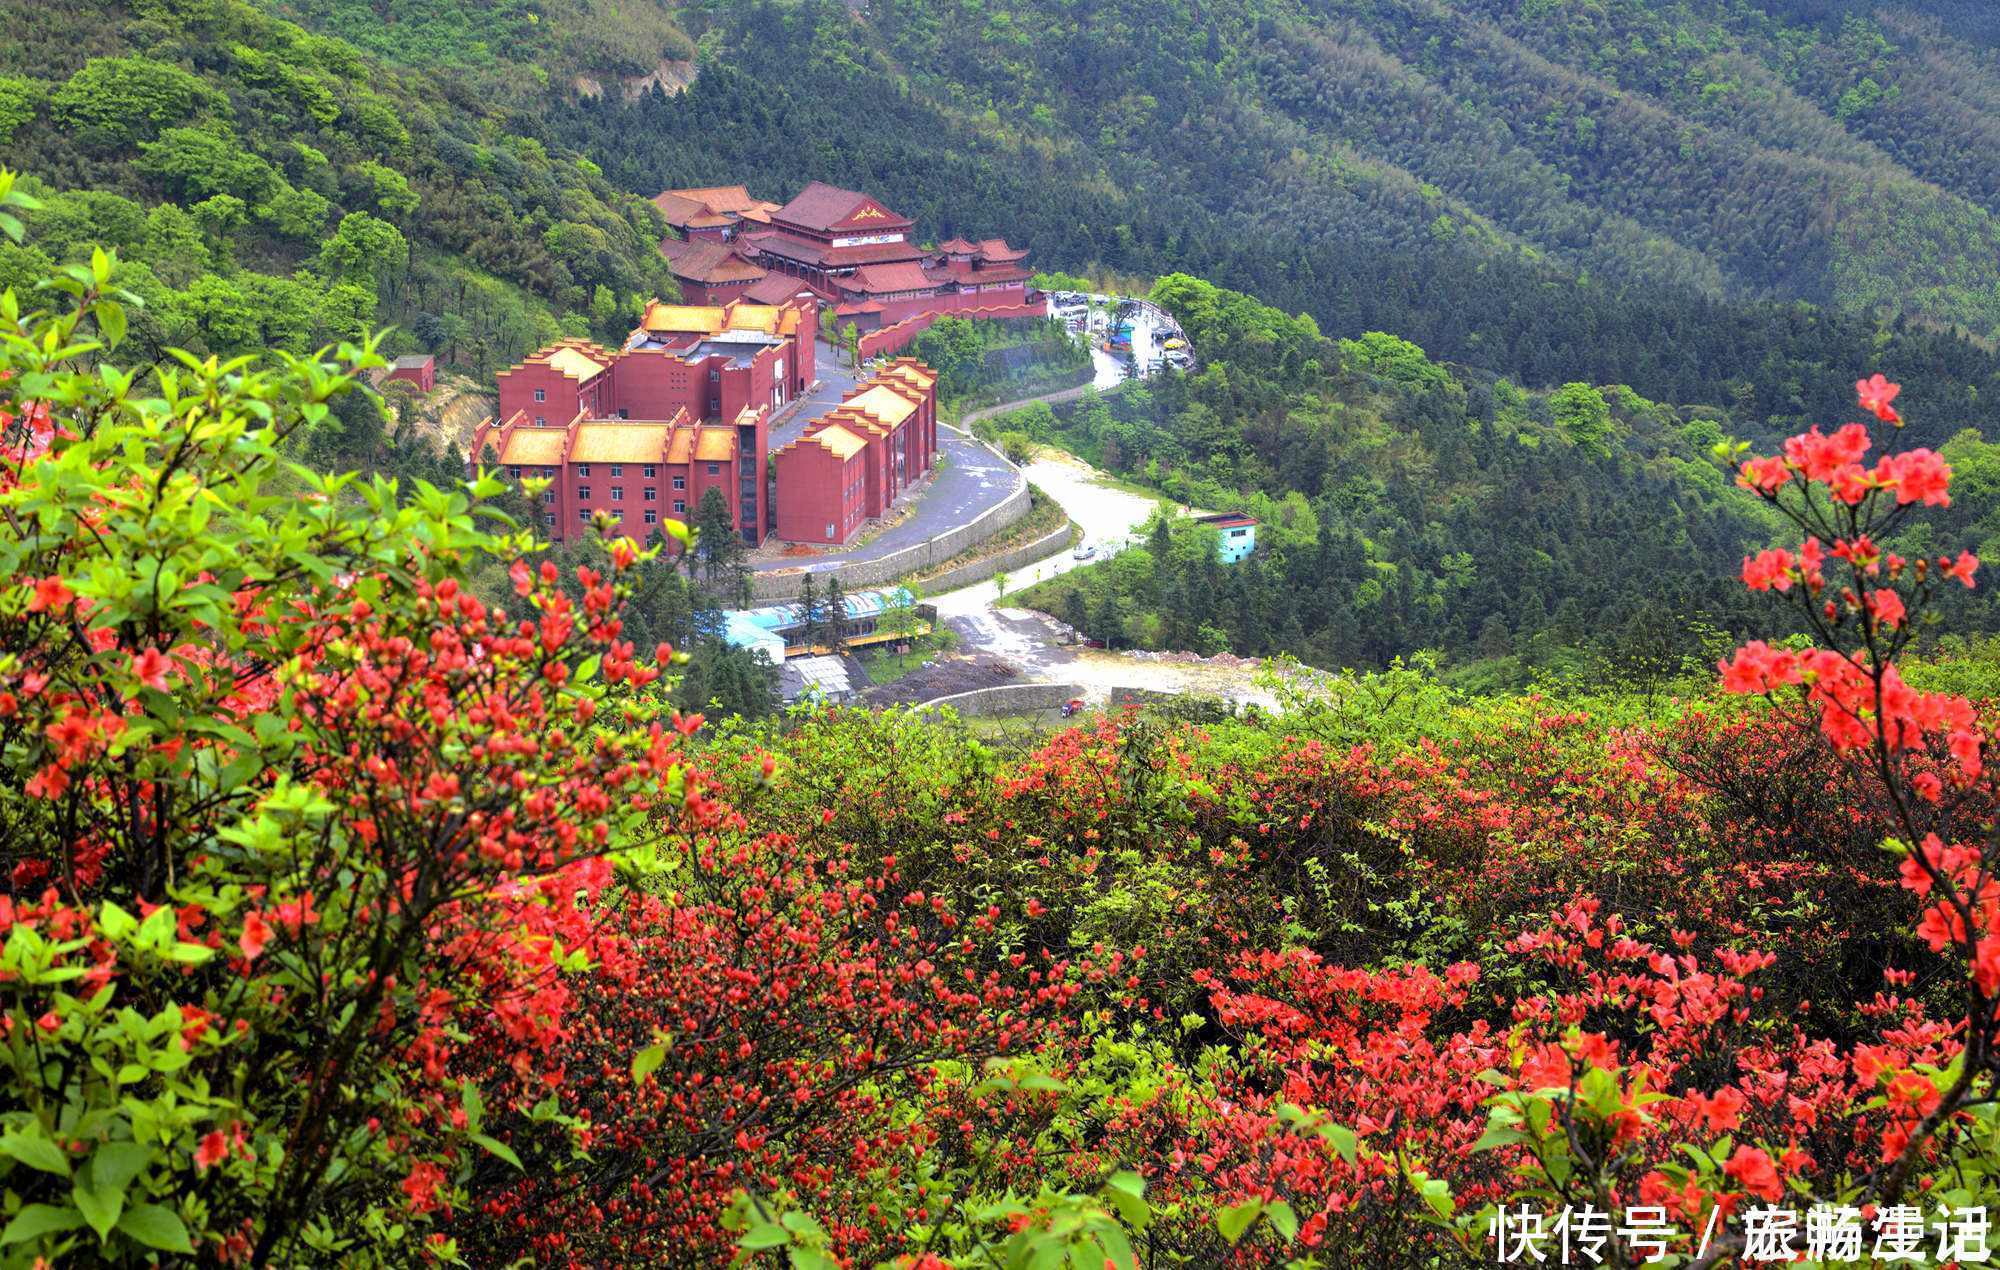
(1075, 612)
(834, 630)
(808, 612)
(719, 552)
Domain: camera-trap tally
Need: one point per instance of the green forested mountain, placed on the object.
(280, 188)
(1620, 192)
(1631, 191)
(1729, 209)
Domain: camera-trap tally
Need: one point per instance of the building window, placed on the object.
(583, 491)
(652, 518)
(583, 514)
(549, 519)
(541, 421)
(514, 471)
(617, 493)
(617, 469)
(549, 496)
(583, 469)
(680, 482)
(624, 414)
(680, 505)
(541, 394)
(714, 469)
(651, 494)
(649, 470)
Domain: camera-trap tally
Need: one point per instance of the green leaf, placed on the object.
(648, 1060)
(156, 1226)
(767, 1235)
(1126, 1191)
(35, 1150)
(1437, 1193)
(496, 1147)
(1498, 1135)
(1343, 1140)
(115, 921)
(1117, 1248)
(1283, 1219)
(158, 929)
(115, 1164)
(111, 321)
(101, 1208)
(802, 1224)
(1232, 1222)
(37, 1220)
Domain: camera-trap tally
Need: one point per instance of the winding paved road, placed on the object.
(970, 481)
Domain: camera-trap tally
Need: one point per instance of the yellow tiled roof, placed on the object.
(541, 446)
(679, 318)
(884, 403)
(855, 421)
(754, 317)
(574, 363)
(716, 445)
(917, 375)
(837, 440)
(620, 442)
(681, 448)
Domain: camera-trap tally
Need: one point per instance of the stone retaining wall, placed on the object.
(778, 585)
(1006, 699)
(972, 571)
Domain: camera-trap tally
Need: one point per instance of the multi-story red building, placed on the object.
(683, 407)
(641, 472)
(854, 460)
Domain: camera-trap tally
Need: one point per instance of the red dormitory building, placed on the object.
(644, 431)
(847, 248)
(855, 459)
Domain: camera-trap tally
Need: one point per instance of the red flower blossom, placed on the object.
(1876, 392)
(1753, 1168)
(256, 934)
(213, 1150)
(51, 595)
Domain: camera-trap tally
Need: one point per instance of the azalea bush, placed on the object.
(1341, 1000)
(369, 902)
(304, 842)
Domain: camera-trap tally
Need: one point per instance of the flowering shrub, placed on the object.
(291, 815)
(367, 902)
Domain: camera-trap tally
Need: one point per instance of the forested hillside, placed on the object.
(1526, 187)
(275, 188)
(1404, 506)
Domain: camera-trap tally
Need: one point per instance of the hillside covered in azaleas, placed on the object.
(353, 915)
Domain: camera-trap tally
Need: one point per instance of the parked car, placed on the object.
(1084, 551)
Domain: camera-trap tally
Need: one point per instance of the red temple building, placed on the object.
(710, 272)
(714, 212)
(856, 459)
(850, 251)
(690, 393)
(827, 233)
